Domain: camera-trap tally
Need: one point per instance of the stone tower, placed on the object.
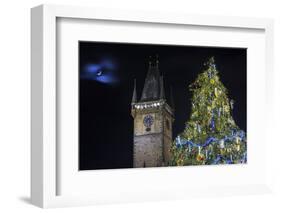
(153, 118)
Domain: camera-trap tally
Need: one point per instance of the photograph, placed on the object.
(161, 105)
(146, 104)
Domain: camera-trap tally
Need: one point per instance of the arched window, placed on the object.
(167, 124)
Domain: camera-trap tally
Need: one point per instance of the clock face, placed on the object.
(148, 121)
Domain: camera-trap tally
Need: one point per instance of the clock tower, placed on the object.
(153, 119)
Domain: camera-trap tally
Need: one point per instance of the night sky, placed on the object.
(107, 72)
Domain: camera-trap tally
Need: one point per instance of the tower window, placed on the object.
(167, 124)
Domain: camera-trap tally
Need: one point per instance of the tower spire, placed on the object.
(151, 89)
(162, 90)
(149, 62)
(135, 98)
(157, 61)
(172, 102)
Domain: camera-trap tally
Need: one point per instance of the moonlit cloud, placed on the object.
(104, 72)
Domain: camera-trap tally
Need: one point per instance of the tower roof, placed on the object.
(152, 85)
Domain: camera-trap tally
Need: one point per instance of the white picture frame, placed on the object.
(44, 148)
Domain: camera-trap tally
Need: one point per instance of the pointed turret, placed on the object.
(162, 90)
(135, 98)
(172, 103)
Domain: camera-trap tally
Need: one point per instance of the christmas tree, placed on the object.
(211, 135)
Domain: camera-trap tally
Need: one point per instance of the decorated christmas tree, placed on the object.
(211, 135)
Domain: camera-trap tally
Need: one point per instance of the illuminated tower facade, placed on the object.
(153, 119)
